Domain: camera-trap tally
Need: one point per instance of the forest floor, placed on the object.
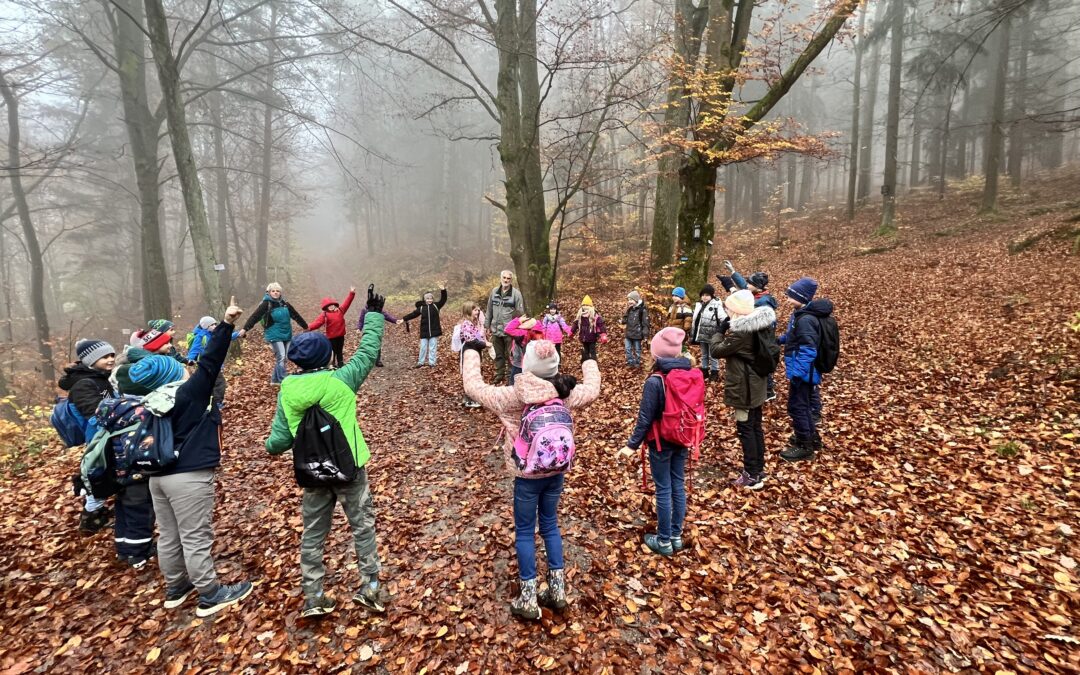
(936, 532)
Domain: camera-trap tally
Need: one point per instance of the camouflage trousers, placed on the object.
(318, 511)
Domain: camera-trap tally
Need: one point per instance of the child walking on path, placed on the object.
(589, 327)
(276, 315)
(335, 392)
(801, 347)
(744, 388)
(539, 383)
(430, 326)
(667, 460)
(469, 329)
(636, 320)
(333, 317)
(554, 326)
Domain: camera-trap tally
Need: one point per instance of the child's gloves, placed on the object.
(375, 302)
(603, 338)
(730, 268)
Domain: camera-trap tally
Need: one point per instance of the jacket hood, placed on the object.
(767, 299)
(79, 371)
(820, 307)
(761, 317)
(327, 301)
(531, 389)
(667, 364)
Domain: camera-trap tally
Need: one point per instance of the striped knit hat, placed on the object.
(90, 351)
(155, 371)
(160, 325)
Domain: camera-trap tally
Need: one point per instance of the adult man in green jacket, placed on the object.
(335, 392)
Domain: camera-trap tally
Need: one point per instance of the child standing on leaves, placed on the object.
(589, 327)
(360, 329)
(539, 383)
(333, 317)
(667, 461)
(554, 326)
(709, 317)
(430, 326)
(744, 389)
(679, 314)
(469, 329)
(757, 284)
(521, 330)
(636, 320)
(801, 343)
(335, 392)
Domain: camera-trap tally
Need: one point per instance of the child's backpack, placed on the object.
(455, 341)
(545, 443)
(97, 474)
(68, 422)
(683, 419)
(142, 443)
(766, 352)
(322, 456)
(828, 351)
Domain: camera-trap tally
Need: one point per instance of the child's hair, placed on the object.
(564, 384)
(581, 313)
(467, 309)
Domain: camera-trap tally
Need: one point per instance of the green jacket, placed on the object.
(334, 390)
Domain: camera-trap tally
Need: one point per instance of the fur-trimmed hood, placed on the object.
(761, 317)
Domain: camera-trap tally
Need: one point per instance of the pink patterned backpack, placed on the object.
(545, 443)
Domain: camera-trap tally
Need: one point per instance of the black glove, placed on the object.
(477, 345)
(375, 302)
(725, 325)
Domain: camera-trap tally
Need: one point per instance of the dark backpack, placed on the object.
(322, 456)
(828, 351)
(766, 350)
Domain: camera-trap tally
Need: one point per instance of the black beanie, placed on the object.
(708, 290)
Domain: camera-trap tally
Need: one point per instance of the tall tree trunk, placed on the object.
(855, 99)
(914, 177)
(866, 153)
(143, 127)
(996, 137)
(892, 124)
(33, 247)
(169, 80)
(221, 182)
(262, 226)
(1018, 124)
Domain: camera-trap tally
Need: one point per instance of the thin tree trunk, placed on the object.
(1018, 124)
(221, 182)
(262, 239)
(33, 247)
(892, 125)
(866, 154)
(995, 139)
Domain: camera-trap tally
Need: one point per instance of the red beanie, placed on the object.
(667, 343)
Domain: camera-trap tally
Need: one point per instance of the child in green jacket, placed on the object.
(335, 392)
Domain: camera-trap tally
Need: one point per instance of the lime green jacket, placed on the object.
(334, 390)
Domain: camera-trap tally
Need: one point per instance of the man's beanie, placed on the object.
(758, 280)
(310, 350)
(802, 290)
(541, 359)
(155, 371)
(90, 351)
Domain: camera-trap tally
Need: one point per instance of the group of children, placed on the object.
(535, 408)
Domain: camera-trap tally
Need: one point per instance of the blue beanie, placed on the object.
(310, 350)
(679, 292)
(802, 290)
(156, 371)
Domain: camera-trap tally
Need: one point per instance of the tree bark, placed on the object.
(169, 80)
(221, 182)
(33, 247)
(866, 153)
(1018, 124)
(262, 227)
(892, 124)
(995, 138)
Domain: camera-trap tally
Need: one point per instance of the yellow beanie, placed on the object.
(586, 301)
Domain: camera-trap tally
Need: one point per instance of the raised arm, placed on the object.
(588, 389)
(495, 399)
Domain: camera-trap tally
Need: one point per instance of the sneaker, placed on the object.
(368, 596)
(677, 544)
(771, 396)
(419, 365)
(751, 481)
(319, 605)
(225, 595)
(817, 443)
(136, 562)
(525, 605)
(174, 597)
(797, 452)
(656, 546)
(555, 594)
(91, 522)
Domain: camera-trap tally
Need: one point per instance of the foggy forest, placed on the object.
(598, 174)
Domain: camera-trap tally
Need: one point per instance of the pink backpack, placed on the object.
(545, 443)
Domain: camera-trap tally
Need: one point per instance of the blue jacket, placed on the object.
(652, 406)
(200, 337)
(801, 341)
(195, 422)
(763, 300)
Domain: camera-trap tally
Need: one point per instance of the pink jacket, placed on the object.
(554, 328)
(508, 402)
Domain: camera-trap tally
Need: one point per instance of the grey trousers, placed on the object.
(184, 504)
(318, 511)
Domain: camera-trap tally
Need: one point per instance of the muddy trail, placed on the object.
(936, 532)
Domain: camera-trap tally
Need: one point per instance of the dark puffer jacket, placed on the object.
(86, 387)
(637, 322)
(430, 323)
(801, 340)
(743, 388)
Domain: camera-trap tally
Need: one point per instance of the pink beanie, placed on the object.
(740, 303)
(667, 343)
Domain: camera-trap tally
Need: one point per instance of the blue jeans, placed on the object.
(429, 350)
(800, 407)
(532, 495)
(708, 363)
(669, 475)
(633, 351)
(514, 372)
(280, 371)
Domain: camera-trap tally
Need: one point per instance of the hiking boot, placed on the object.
(174, 597)
(770, 396)
(677, 544)
(555, 594)
(317, 606)
(525, 605)
(369, 596)
(225, 595)
(656, 546)
(419, 365)
(816, 443)
(750, 481)
(799, 451)
(91, 522)
(714, 376)
(379, 364)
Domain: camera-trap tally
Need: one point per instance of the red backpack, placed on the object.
(683, 419)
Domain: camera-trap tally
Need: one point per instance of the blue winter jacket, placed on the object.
(200, 337)
(801, 340)
(763, 300)
(652, 406)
